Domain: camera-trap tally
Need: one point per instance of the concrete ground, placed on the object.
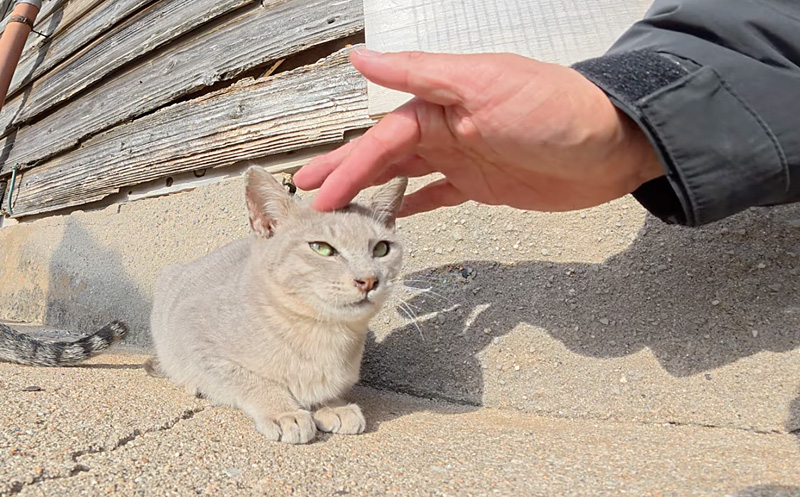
(106, 428)
(598, 352)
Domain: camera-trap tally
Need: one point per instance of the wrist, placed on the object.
(639, 154)
(628, 158)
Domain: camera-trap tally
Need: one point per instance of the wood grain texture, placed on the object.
(45, 22)
(147, 31)
(5, 9)
(55, 17)
(194, 63)
(48, 6)
(71, 28)
(559, 31)
(310, 106)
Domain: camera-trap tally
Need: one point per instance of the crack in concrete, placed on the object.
(187, 414)
(677, 424)
(757, 431)
(15, 487)
(435, 397)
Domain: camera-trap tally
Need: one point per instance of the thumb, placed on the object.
(444, 79)
(440, 193)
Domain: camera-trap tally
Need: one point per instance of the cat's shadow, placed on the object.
(698, 299)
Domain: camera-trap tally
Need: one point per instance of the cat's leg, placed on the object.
(340, 417)
(152, 366)
(275, 412)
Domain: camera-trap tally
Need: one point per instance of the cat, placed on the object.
(275, 324)
(23, 349)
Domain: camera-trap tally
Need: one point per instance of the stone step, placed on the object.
(106, 428)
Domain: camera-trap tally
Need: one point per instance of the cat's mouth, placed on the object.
(364, 302)
(354, 306)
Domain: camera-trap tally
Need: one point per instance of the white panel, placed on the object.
(561, 31)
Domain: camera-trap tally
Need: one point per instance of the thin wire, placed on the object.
(11, 189)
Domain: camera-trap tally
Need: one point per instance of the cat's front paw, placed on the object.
(296, 427)
(347, 420)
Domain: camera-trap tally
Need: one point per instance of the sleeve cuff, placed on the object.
(718, 156)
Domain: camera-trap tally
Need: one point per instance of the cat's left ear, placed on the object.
(268, 202)
(387, 199)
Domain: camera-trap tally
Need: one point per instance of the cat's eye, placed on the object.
(381, 249)
(322, 248)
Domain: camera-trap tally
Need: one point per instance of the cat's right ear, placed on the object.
(268, 202)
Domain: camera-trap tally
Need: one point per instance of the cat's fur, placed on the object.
(270, 326)
(23, 349)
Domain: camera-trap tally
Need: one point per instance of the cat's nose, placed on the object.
(366, 284)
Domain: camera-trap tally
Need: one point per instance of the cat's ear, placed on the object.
(387, 199)
(268, 202)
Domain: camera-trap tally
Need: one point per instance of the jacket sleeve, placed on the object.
(715, 85)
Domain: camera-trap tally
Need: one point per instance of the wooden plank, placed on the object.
(61, 15)
(306, 107)
(194, 63)
(48, 6)
(6, 6)
(40, 54)
(147, 31)
(559, 31)
(54, 18)
(44, 21)
(71, 28)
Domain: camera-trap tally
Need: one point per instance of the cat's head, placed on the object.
(337, 265)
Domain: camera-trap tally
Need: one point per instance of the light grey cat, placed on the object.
(275, 324)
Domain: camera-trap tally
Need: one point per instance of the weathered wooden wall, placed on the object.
(126, 91)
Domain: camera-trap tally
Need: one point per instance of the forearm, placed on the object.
(715, 86)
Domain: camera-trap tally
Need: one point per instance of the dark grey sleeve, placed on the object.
(715, 85)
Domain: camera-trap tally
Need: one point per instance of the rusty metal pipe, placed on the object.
(13, 40)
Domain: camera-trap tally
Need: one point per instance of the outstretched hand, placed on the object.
(501, 128)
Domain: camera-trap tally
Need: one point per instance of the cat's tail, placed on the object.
(23, 349)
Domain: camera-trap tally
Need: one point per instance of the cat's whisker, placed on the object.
(413, 311)
(433, 313)
(423, 291)
(412, 317)
(430, 282)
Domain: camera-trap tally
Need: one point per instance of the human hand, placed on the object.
(501, 128)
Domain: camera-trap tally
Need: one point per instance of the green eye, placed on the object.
(381, 249)
(322, 248)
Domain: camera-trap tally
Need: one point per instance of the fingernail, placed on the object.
(365, 52)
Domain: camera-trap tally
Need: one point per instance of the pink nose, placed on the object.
(366, 284)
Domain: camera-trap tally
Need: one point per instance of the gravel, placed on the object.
(151, 438)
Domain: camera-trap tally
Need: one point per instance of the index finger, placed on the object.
(394, 137)
(444, 79)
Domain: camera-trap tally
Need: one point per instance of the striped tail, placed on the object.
(23, 349)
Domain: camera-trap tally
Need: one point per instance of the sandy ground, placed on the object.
(106, 428)
(598, 352)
